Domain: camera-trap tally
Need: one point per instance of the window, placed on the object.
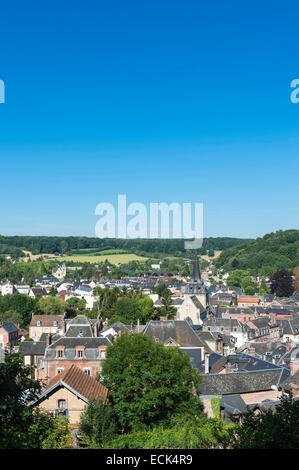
(61, 404)
(102, 354)
(39, 323)
(60, 371)
(80, 354)
(55, 323)
(87, 371)
(59, 353)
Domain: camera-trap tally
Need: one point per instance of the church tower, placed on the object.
(196, 297)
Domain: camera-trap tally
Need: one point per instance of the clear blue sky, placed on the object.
(162, 100)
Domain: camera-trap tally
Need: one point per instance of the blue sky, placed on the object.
(161, 100)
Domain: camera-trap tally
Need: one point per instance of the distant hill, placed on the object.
(274, 251)
(148, 247)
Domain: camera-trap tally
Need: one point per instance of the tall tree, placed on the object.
(282, 284)
(148, 383)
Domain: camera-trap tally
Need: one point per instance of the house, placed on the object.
(253, 386)
(80, 346)
(22, 289)
(9, 335)
(289, 330)
(33, 353)
(175, 333)
(8, 289)
(228, 327)
(54, 324)
(248, 301)
(241, 314)
(36, 292)
(68, 393)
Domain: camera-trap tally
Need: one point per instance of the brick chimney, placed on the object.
(48, 340)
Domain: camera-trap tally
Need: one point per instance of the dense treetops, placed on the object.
(62, 245)
(273, 252)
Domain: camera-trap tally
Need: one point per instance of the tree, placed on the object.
(277, 429)
(51, 305)
(21, 426)
(282, 284)
(23, 305)
(98, 424)
(167, 308)
(58, 435)
(148, 383)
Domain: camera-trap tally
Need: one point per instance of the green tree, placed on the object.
(21, 426)
(51, 305)
(147, 382)
(98, 424)
(167, 308)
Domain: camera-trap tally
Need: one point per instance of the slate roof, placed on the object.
(233, 405)
(91, 346)
(9, 327)
(179, 331)
(47, 320)
(75, 380)
(242, 382)
(33, 348)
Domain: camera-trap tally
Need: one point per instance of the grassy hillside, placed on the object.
(274, 251)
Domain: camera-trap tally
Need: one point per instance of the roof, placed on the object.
(242, 382)
(33, 348)
(179, 331)
(9, 327)
(233, 405)
(47, 320)
(74, 379)
(248, 299)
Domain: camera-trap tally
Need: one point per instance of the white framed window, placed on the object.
(59, 370)
(102, 354)
(87, 371)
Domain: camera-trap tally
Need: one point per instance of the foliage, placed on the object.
(148, 383)
(22, 307)
(216, 403)
(51, 305)
(98, 424)
(125, 306)
(191, 432)
(20, 425)
(273, 252)
(282, 284)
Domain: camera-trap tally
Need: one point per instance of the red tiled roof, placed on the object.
(248, 299)
(81, 383)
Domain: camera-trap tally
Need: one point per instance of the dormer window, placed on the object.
(55, 323)
(39, 323)
(59, 353)
(80, 352)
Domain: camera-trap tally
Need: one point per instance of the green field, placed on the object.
(97, 252)
(95, 259)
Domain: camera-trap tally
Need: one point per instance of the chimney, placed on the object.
(228, 367)
(251, 351)
(48, 340)
(289, 345)
(207, 364)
